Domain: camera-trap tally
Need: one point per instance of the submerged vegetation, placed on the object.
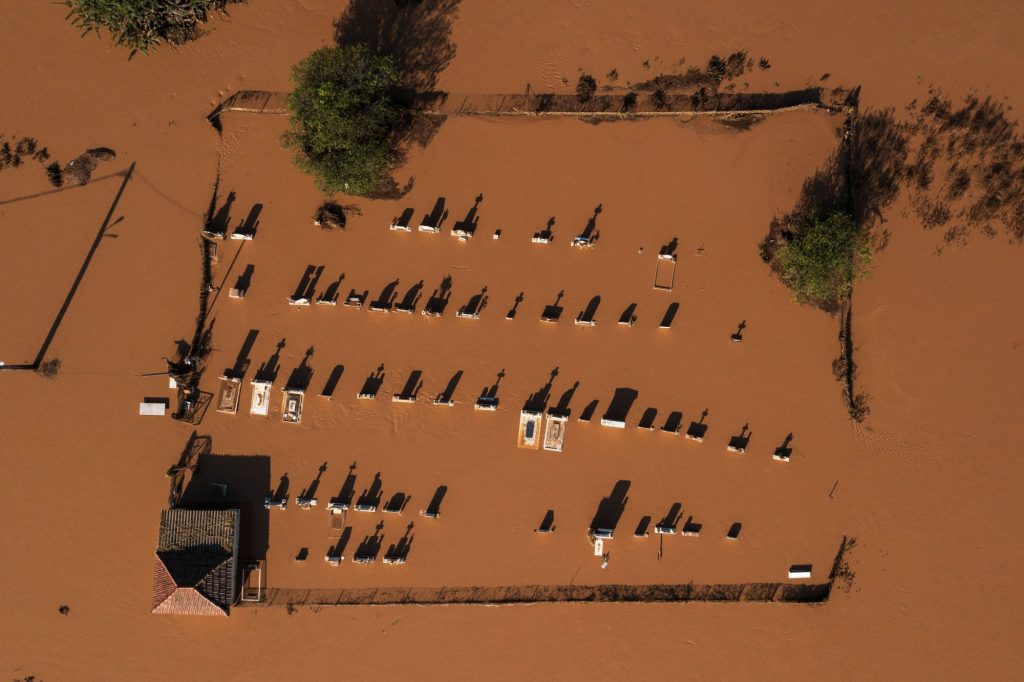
(49, 369)
(586, 86)
(143, 24)
(330, 216)
(14, 151)
(344, 118)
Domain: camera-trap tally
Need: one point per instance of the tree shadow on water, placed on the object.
(961, 166)
(416, 34)
(863, 176)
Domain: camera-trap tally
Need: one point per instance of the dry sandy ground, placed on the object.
(927, 484)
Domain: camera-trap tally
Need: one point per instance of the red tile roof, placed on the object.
(194, 569)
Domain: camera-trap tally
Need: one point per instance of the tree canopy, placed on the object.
(823, 257)
(344, 118)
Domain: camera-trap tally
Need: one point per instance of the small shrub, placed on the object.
(55, 175)
(629, 101)
(11, 157)
(824, 256)
(330, 216)
(736, 64)
(49, 369)
(613, 75)
(732, 66)
(716, 67)
(659, 99)
(142, 24)
(586, 86)
(764, 64)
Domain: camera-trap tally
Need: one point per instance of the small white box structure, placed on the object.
(782, 454)
(245, 236)
(467, 315)
(599, 547)
(393, 560)
(260, 405)
(463, 235)
(614, 423)
(407, 308)
(665, 272)
(305, 502)
(369, 508)
(541, 239)
(380, 307)
(497, 234)
(397, 225)
(430, 514)
(431, 229)
(486, 403)
(800, 572)
(664, 530)
(440, 400)
(579, 321)
(148, 409)
(298, 300)
(171, 381)
(252, 582)
(582, 242)
(291, 405)
(603, 533)
(230, 392)
(554, 432)
(529, 430)
(236, 293)
(337, 507)
(354, 301)
(334, 559)
(402, 399)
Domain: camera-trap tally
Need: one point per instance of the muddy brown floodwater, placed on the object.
(927, 484)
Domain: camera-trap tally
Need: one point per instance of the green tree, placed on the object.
(823, 257)
(142, 24)
(344, 119)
